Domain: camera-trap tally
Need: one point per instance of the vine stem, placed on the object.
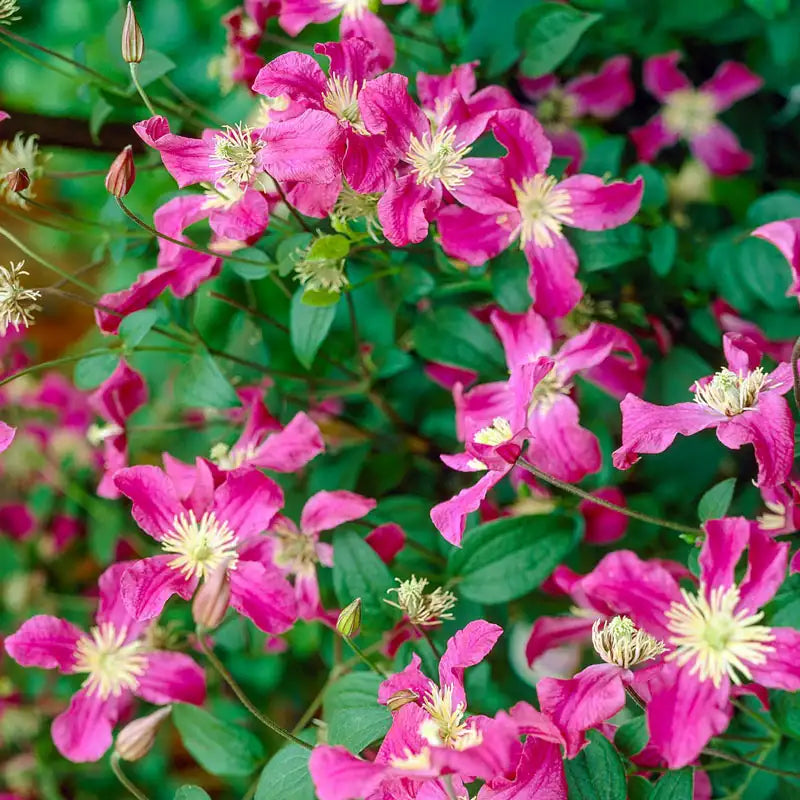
(243, 698)
(116, 768)
(145, 99)
(584, 495)
(427, 637)
(54, 363)
(363, 656)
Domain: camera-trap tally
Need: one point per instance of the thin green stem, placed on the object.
(243, 698)
(427, 637)
(145, 99)
(89, 223)
(584, 495)
(363, 656)
(116, 768)
(56, 362)
(783, 773)
(36, 60)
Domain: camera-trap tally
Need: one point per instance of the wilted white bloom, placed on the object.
(17, 304)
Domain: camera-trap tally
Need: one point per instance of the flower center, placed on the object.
(446, 726)
(350, 8)
(228, 458)
(556, 109)
(544, 209)
(435, 157)
(620, 642)
(721, 640)
(731, 394)
(495, 434)
(236, 151)
(200, 546)
(97, 434)
(412, 761)
(113, 666)
(341, 99)
(296, 550)
(421, 607)
(547, 391)
(17, 304)
(689, 113)
(9, 12)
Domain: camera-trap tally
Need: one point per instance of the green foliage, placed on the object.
(309, 326)
(715, 502)
(596, 773)
(675, 785)
(286, 775)
(352, 713)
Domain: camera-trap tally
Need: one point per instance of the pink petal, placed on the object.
(552, 282)
(539, 776)
(244, 220)
(155, 501)
(17, 521)
(263, 595)
(597, 206)
(466, 648)
(339, 775)
(313, 199)
(410, 678)
(292, 448)
(662, 76)
(583, 702)
(295, 15)
(112, 607)
(6, 436)
(606, 93)
(603, 525)
(327, 510)
(785, 235)
(525, 337)
(148, 584)
(119, 395)
(371, 27)
(46, 642)
(550, 632)
(368, 163)
(648, 428)
(651, 138)
(296, 75)
(769, 427)
(741, 352)
(114, 307)
(782, 667)
(473, 237)
(766, 570)
(730, 83)
(187, 160)
(407, 208)
(678, 698)
(528, 148)
(84, 731)
(355, 59)
(248, 501)
(723, 545)
(450, 517)
(720, 151)
(447, 376)
(486, 190)
(172, 678)
(386, 107)
(387, 541)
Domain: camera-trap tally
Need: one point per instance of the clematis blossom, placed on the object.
(690, 113)
(515, 199)
(730, 321)
(119, 662)
(742, 402)
(211, 527)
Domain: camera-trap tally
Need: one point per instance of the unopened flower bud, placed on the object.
(618, 641)
(349, 622)
(136, 738)
(132, 39)
(212, 599)
(401, 698)
(121, 173)
(18, 180)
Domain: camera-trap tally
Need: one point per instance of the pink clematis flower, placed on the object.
(429, 736)
(516, 199)
(6, 436)
(119, 663)
(713, 638)
(730, 321)
(691, 114)
(741, 401)
(601, 95)
(211, 527)
(785, 235)
(115, 400)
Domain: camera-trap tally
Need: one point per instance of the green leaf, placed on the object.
(218, 747)
(202, 384)
(91, 371)
(308, 328)
(288, 250)
(354, 717)
(251, 272)
(769, 9)
(137, 325)
(763, 272)
(655, 187)
(509, 557)
(333, 247)
(639, 788)
(359, 572)
(631, 737)
(715, 502)
(786, 713)
(772, 207)
(675, 785)
(452, 335)
(596, 773)
(548, 33)
(191, 793)
(286, 776)
(663, 248)
(320, 298)
(599, 250)
(154, 65)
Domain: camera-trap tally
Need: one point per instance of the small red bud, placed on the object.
(136, 738)
(18, 180)
(121, 174)
(132, 39)
(212, 598)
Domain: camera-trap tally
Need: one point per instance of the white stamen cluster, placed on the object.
(296, 550)
(113, 665)
(496, 433)
(556, 109)
(9, 12)
(97, 434)
(350, 8)
(422, 608)
(200, 545)
(319, 274)
(436, 157)
(341, 99)
(17, 304)
(228, 458)
(446, 726)
(236, 151)
(689, 113)
(718, 639)
(544, 209)
(731, 394)
(618, 641)
(547, 391)
(350, 205)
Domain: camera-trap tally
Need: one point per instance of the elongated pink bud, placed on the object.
(18, 180)
(136, 738)
(132, 39)
(212, 598)
(122, 173)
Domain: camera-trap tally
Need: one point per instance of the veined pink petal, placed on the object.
(155, 500)
(431, 88)
(605, 93)
(46, 642)
(720, 151)
(539, 775)
(450, 517)
(368, 164)
(741, 352)
(354, 59)
(410, 677)
(591, 348)
(386, 540)
(115, 306)
(723, 545)
(6, 436)
(730, 83)
(448, 376)
(187, 160)
(769, 427)
(296, 14)
(292, 448)
(294, 74)
(339, 775)
(604, 525)
(244, 220)
(407, 208)
(552, 283)
(83, 731)
(263, 595)
(648, 428)
(794, 564)
(651, 138)
(466, 648)
(171, 678)
(550, 632)
(386, 107)
(119, 395)
(782, 667)
(327, 510)
(590, 698)
(528, 149)
(597, 206)
(313, 199)
(766, 570)
(371, 27)
(474, 237)
(112, 607)
(486, 190)
(148, 584)
(247, 501)
(525, 337)
(662, 76)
